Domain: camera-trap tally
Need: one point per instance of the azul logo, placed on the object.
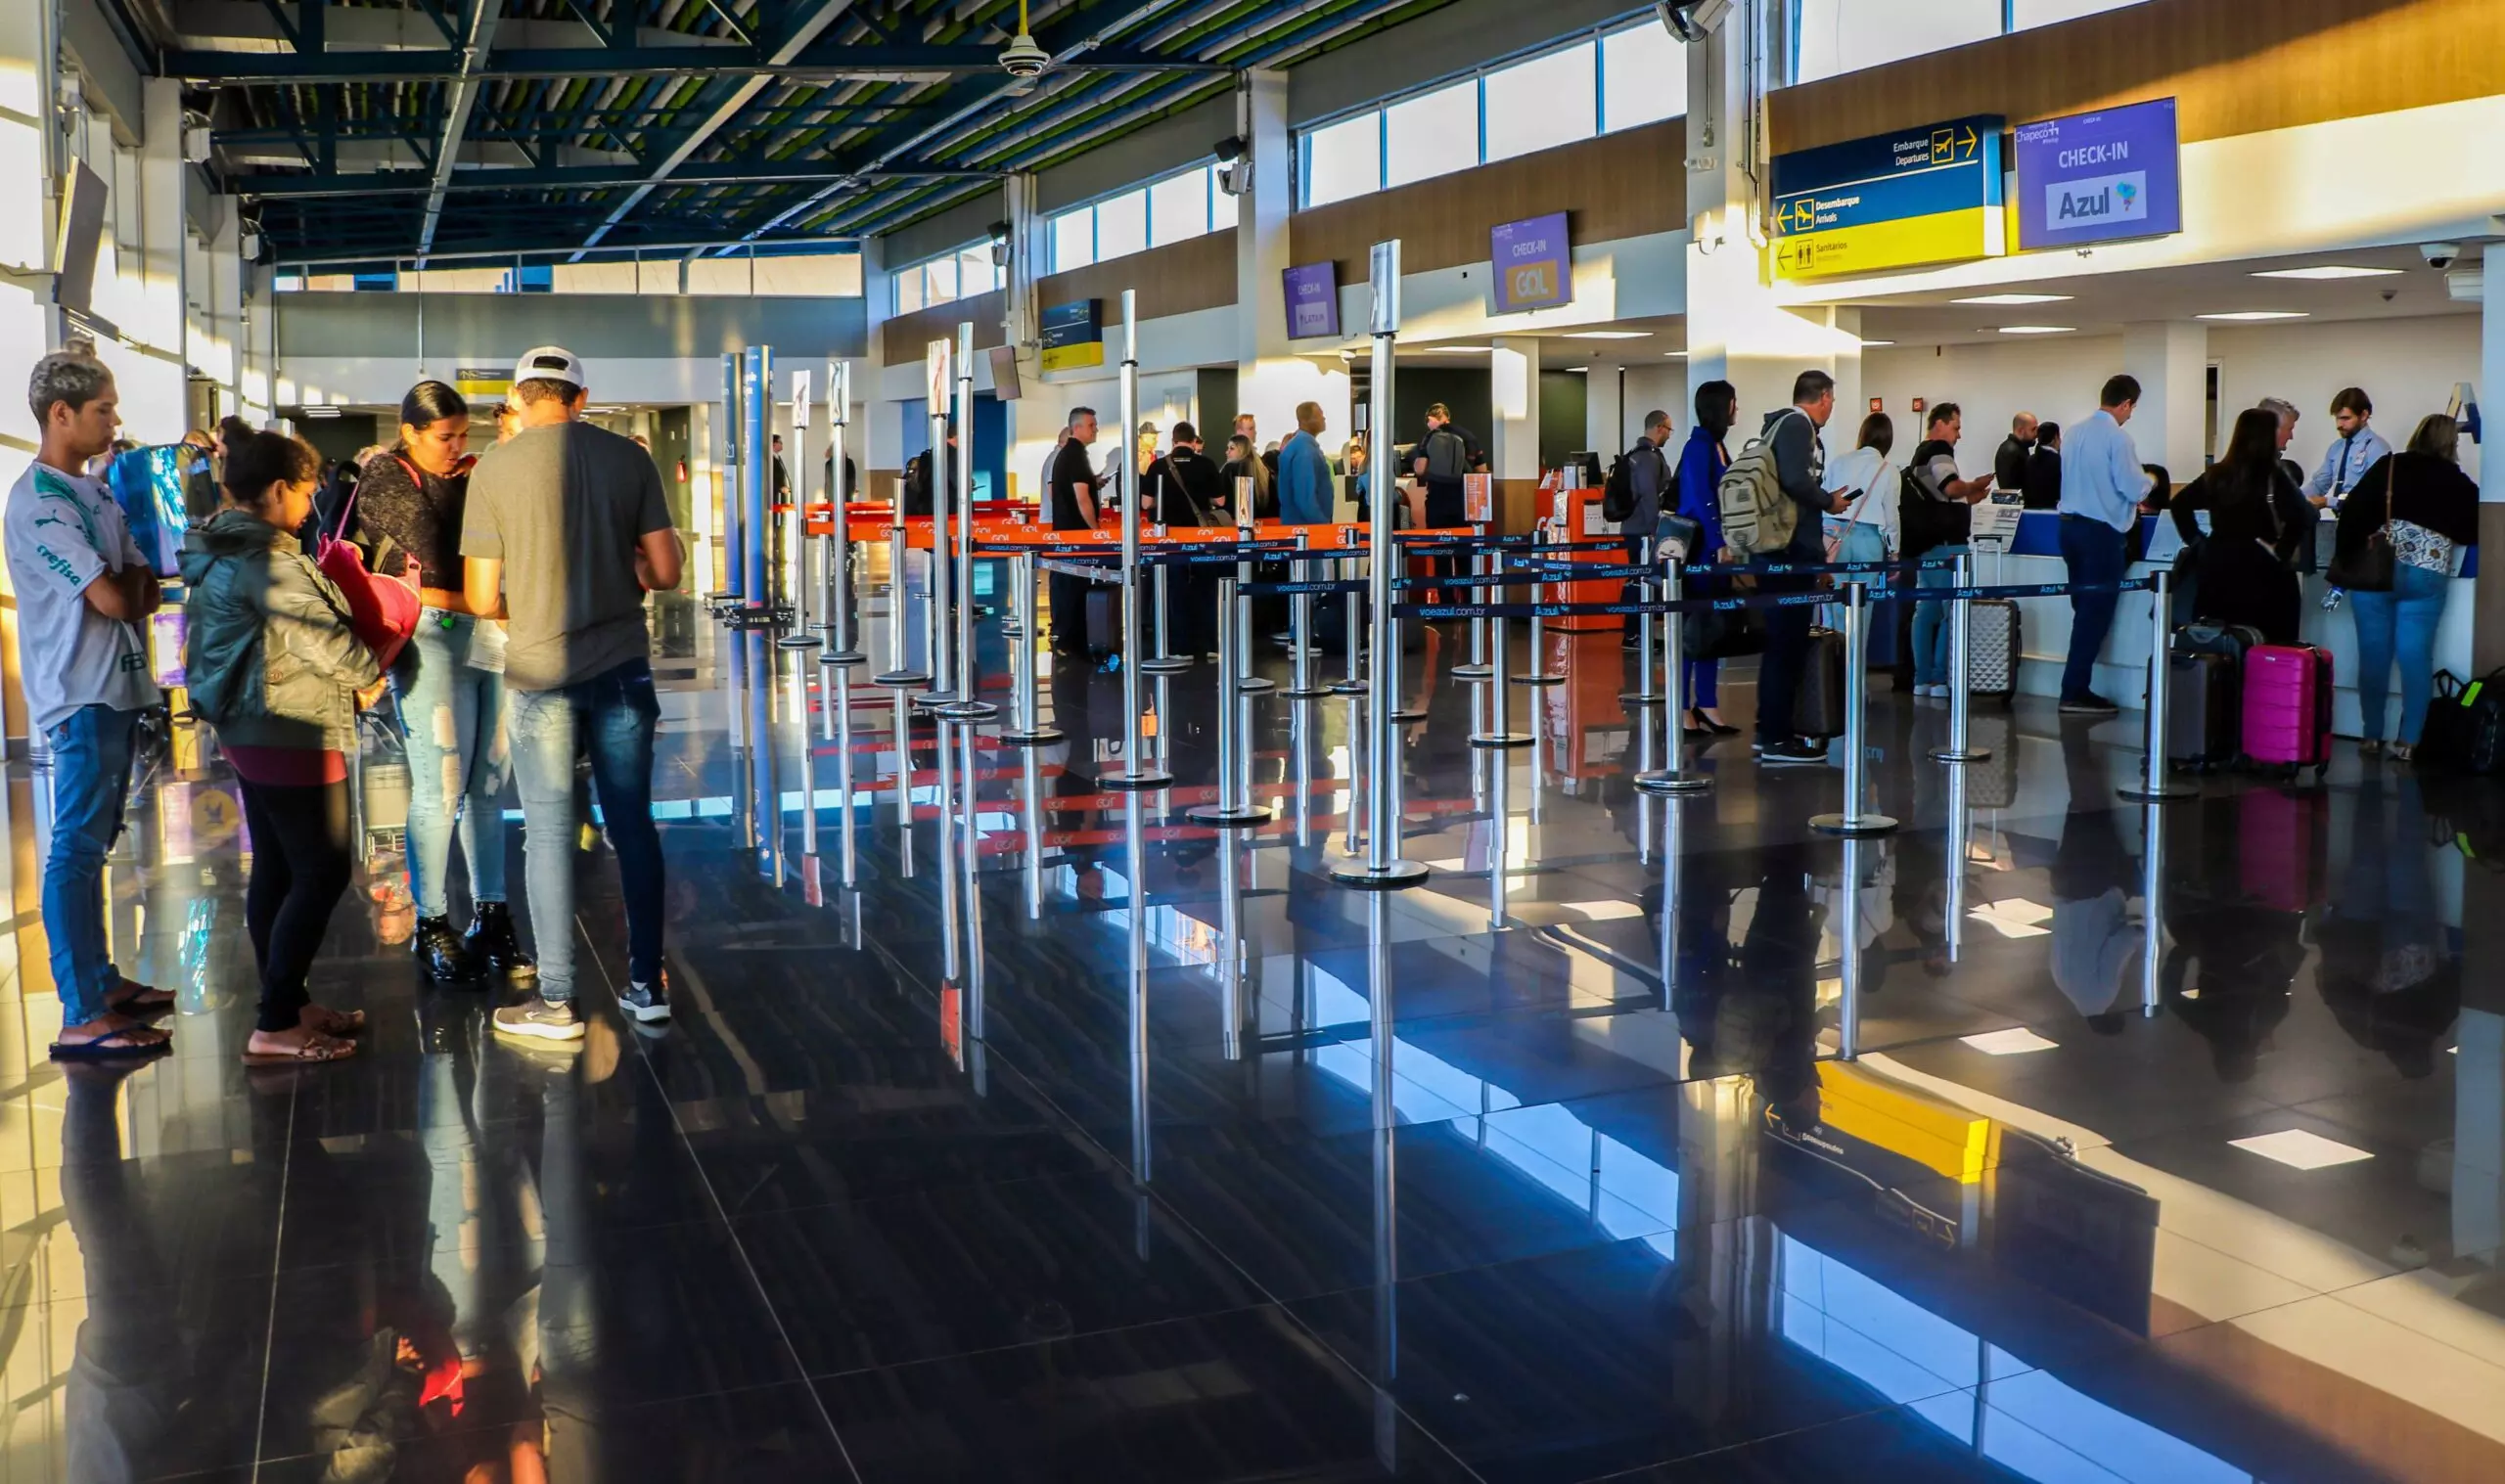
(2076, 204)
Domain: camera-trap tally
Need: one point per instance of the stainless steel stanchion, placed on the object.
(900, 671)
(1479, 667)
(1858, 817)
(1234, 804)
(1353, 675)
(800, 699)
(1646, 694)
(970, 859)
(1500, 730)
(1164, 661)
(1961, 672)
(1539, 674)
(969, 704)
(843, 600)
(1246, 645)
(938, 632)
(801, 635)
(1961, 828)
(1025, 729)
(1849, 968)
(1382, 867)
(1674, 777)
(950, 918)
(1135, 869)
(726, 443)
(2156, 784)
(2152, 903)
(1137, 771)
(1302, 683)
(842, 703)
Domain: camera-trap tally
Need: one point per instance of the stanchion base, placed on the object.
(1539, 680)
(1474, 672)
(966, 711)
(1011, 628)
(1165, 664)
(798, 642)
(845, 658)
(1407, 713)
(2164, 793)
(1501, 739)
(1642, 697)
(1255, 685)
(1671, 781)
(899, 679)
(1853, 823)
(1136, 781)
(1970, 756)
(1390, 875)
(1041, 736)
(1348, 688)
(933, 700)
(1229, 816)
(1305, 693)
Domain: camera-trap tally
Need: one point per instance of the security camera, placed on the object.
(1692, 21)
(1022, 57)
(2440, 255)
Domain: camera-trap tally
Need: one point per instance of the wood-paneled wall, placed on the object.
(1625, 183)
(1197, 273)
(902, 338)
(2234, 67)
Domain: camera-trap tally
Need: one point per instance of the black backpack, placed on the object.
(917, 484)
(1618, 496)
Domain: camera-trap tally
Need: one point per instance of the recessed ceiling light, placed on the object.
(2329, 271)
(2015, 1042)
(2255, 314)
(1675, 355)
(2036, 329)
(1607, 335)
(2015, 298)
(1866, 345)
(2302, 1150)
(1571, 370)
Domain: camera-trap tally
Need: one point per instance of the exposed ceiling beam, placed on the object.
(801, 65)
(244, 27)
(298, 186)
(456, 115)
(675, 248)
(804, 28)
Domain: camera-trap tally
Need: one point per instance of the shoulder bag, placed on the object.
(382, 609)
(2369, 569)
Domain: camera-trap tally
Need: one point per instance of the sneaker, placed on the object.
(540, 1020)
(646, 1002)
(442, 954)
(491, 941)
(1799, 752)
(1631, 642)
(2088, 705)
(1938, 690)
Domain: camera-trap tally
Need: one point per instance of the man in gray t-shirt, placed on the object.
(576, 514)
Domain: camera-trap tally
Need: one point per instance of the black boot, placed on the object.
(442, 954)
(491, 942)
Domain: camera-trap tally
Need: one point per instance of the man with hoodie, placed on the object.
(1800, 468)
(1700, 475)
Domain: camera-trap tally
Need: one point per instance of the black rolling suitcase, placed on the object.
(1104, 619)
(2205, 715)
(1818, 705)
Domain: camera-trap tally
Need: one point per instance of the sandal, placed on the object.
(333, 1022)
(316, 1049)
(127, 1044)
(2402, 752)
(2370, 747)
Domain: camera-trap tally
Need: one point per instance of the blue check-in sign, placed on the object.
(2099, 178)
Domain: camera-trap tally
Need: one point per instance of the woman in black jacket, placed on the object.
(2427, 507)
(2247, 574)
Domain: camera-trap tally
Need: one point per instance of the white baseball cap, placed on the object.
(549, 363)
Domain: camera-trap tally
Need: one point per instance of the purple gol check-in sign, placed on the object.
(1314, 301)
(1533, 264)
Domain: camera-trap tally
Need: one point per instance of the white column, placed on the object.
(2171, 361)
(2491, 386)
(1735, 329)
(1269, 379)
(1844, 323)
(1513, 393)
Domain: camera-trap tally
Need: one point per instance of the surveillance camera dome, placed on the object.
(2439, 254)
(1022, 57)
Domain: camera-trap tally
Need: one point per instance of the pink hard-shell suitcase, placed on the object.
(2287, 707)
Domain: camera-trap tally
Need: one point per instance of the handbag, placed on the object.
(2369, 569)
(1835, 543)
(383, 609)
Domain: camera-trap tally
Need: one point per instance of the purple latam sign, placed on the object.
(2099, 178)
(1534, 264)
(1314, 301)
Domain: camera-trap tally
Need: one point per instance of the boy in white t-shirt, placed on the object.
(82, 590)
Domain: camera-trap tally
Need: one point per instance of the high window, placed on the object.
(957, 274)
(1168, 210)
(1835, 36)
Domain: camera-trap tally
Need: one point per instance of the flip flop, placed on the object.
(112, 1046)
(317, 1049)
(140, 1000)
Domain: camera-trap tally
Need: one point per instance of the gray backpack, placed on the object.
(1448, 456)
(1757, 516)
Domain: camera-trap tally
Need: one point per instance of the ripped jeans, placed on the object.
(453, 716)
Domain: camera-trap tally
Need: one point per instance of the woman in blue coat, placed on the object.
(1700, 465)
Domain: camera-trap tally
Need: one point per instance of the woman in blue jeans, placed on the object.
(451, 688)
(2422, 501)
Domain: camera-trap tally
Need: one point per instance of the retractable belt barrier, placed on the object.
(1816, 598)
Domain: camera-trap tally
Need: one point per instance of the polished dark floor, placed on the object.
(1139, 1150)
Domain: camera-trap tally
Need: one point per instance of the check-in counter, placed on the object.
(2121, 672)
